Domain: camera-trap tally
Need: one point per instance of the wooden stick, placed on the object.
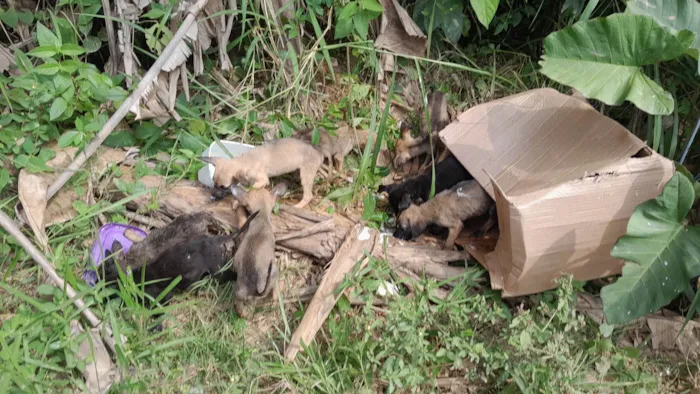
(49, 269)
(134, 97)
(321, 227)
(303, 213)
(145, 220)
(111, 37)
(359, 240)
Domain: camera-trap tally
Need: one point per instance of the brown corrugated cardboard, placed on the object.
(565, 178)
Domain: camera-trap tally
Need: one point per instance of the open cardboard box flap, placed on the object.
(565, 179)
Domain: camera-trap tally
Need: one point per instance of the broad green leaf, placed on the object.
(46, 36)
(348, 11)
(120, 139)
(154, 13)
(72, 50)
(368, 207)
(662, 255)
(696, 185)
(43, 52)
(361, 23)
(58, 108)
(47, 69)
(448, 16)
(315, 136)
(66, 139)
(676, 15)
(342, 29)
(602, 58)
(62, 82)
(9, 17)
(485, 10)
(23, 62)
(147, 130)
(4, 178)
(92, 44)
(26, 17)
(372, 5)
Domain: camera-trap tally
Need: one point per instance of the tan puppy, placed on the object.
(278, 157)
(408, 147)
(335, 146)
(449, 209)
(254, 262)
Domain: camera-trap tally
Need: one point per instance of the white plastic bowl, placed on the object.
(206, 174)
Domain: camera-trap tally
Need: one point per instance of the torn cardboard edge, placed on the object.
(565, 179)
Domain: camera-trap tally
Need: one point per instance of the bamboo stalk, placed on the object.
(49, 269)
(136, 95)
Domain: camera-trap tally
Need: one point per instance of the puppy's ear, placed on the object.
(405, 201)
(239, 193)
(279, 190)
(210, 160)
(116, 247)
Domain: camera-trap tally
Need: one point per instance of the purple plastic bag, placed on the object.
(106, 236)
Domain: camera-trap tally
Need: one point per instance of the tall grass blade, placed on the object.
(674, 137)
(382, 122)
(588, 11)
(322, 42)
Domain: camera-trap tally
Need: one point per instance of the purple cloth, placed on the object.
(106, 236)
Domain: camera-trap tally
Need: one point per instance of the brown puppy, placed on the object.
(254, 261)
(335, 146)
(449, 209)
(408, 147)
(278, 157)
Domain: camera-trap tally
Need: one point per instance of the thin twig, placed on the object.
(133, 98)
(49, 269)
(145, 220)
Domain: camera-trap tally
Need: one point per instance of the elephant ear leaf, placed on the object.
(676, 15)
(603, 58)
(661, 253)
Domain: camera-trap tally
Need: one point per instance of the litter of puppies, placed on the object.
(191, 248)
(464, 193)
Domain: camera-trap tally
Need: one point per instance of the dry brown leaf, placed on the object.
(183, 51)
(6, 58)
(664, 335)
(35, 211)
(100, 372)
(399, 33)
(590, 306)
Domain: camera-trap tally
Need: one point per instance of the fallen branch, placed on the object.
(320, 227)
(133, 98)
(145, 220)
(49, 269)
(359, 240)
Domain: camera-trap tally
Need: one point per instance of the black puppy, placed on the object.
(193, 260)
(416, 190)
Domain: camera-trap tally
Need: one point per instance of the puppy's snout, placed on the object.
(401, 233)
(220, 192)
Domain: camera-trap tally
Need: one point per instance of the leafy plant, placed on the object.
(355, 17)
(446, 15)
(676, 15)
(603, 59)
(62, 91)
(661, 251)
(485, 10)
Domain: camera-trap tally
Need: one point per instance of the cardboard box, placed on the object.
(565, 179)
